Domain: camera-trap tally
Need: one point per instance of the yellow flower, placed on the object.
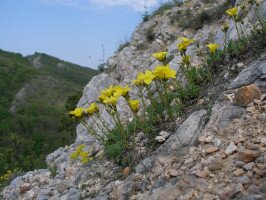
(106, 93)
(144, 78)
(134, 105)
(112, 100)
(93, 108)
(84, 157)
(121, 91)
(140, 79)
(184, 43)
(161, 56)
(164, 72)
(78, 112)
(77, 152)
(213, 47)
(232, 12)
(148, 77)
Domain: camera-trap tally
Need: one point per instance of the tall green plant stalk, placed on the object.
(237, 30)
(92, 131)
(225, 39)
(142, 100)
(104, 122)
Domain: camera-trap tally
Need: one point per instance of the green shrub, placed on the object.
(146, 17)
(197, 21)
(166, 6)
(150, 35)
(122, 46)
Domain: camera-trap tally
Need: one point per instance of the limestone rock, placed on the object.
(230, 149)
(164, 134)
(247, 94)
(160, 139)
(248, 155)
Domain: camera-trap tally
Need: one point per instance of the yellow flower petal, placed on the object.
(213, 47)
(78, 112)
(93, 108)
(134, 104)
(232, 12)
(164, 72)
(161, 56)
(121, 91)
(184, 43)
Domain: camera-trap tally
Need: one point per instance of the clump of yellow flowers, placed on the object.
(157, 89)
(7, 176)
(81, 155)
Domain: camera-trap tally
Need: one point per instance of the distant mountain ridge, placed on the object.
(36, 92)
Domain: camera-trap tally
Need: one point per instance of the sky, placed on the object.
(72, 30)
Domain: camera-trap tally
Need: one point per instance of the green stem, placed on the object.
(158, 89)
(99, 127)
(259, 19)
(151, 99)
(167, 106)
(237, 30)
(225, 40)
(143, 102)
(92, 131)
(104, 122)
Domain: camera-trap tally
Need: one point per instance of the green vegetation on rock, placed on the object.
(35, 94)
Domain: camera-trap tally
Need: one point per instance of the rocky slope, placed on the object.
(216, 151)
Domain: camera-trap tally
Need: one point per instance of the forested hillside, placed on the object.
(35, 94)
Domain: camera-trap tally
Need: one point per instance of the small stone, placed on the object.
(24, 189)
(160, 139)
(209, 139)
(201, 139)
(260, 172)
(230, 149)
(217, 142)
(240, 65)
(244, 180)
(248, 166)
(263, 77)
(259, 159)
(211, 150)
(248, 155)
(31, 194)
(201, 174)
(226, 75)
(216, 164)
(255, 197)
(251, 109)
(188, 160)
(263, 141)
(239, 138)
(208, 196)
(247, 94)
(126, 171)
(239, 163)
(164, 134)
(262, 116)
(239, 172)
(173, 173)
(257, 101)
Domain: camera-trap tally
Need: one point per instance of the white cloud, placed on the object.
(137, 5)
